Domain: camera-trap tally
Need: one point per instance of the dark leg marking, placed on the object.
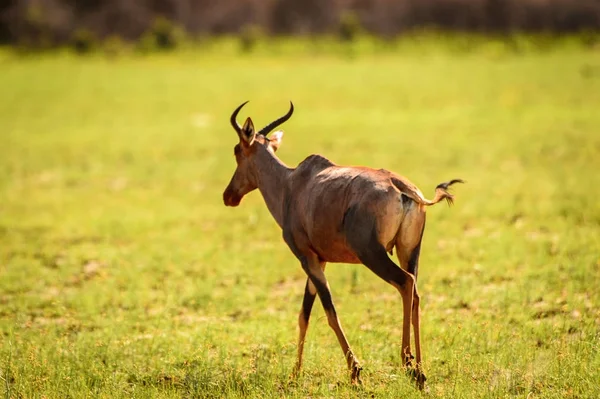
(323, 292)
(307, 302)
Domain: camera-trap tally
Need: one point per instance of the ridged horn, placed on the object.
(267, 129)
(233, 118)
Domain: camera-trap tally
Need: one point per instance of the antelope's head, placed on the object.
(244, 178)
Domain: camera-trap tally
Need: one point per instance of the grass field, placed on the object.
(123, 275)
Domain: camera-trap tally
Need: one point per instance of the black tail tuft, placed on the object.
(443, 191)
(444, 186)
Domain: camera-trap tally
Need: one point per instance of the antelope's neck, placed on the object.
(272, 177)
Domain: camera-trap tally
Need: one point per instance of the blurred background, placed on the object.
(82, 23)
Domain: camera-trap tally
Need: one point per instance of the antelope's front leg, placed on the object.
(317, 277)
(313, 267)
(310, 293)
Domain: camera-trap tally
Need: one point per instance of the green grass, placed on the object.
(123, 275)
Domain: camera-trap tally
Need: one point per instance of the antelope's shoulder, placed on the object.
(314, 163)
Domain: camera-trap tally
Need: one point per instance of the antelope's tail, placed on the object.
(441, 193)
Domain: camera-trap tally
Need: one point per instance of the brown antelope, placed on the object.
(331, 213)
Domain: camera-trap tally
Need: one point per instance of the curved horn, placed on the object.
(233, 118)
(267, 129)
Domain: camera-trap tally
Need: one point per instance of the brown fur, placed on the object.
(331, 213)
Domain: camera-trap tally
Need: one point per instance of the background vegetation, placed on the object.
(123, 275)
(40, 24)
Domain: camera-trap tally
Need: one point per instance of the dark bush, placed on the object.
(165, 35)
(350, 27)
(250, 36)
(84, 41)
(114, 46)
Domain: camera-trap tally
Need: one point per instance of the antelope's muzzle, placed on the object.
(231, 198)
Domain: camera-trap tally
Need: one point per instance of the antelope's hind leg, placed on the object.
(377, 260)
(408, 253)
(361, 233)
(405, 283)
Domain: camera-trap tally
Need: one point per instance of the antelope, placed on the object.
(331, 213)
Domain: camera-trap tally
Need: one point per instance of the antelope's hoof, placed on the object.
(295, 373)
(355, 377)
(421, 380)
(418, 376)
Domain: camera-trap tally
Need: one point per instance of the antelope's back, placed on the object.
(324, 193)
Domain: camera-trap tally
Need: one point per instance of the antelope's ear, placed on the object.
(248, 133)
(275, 140)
